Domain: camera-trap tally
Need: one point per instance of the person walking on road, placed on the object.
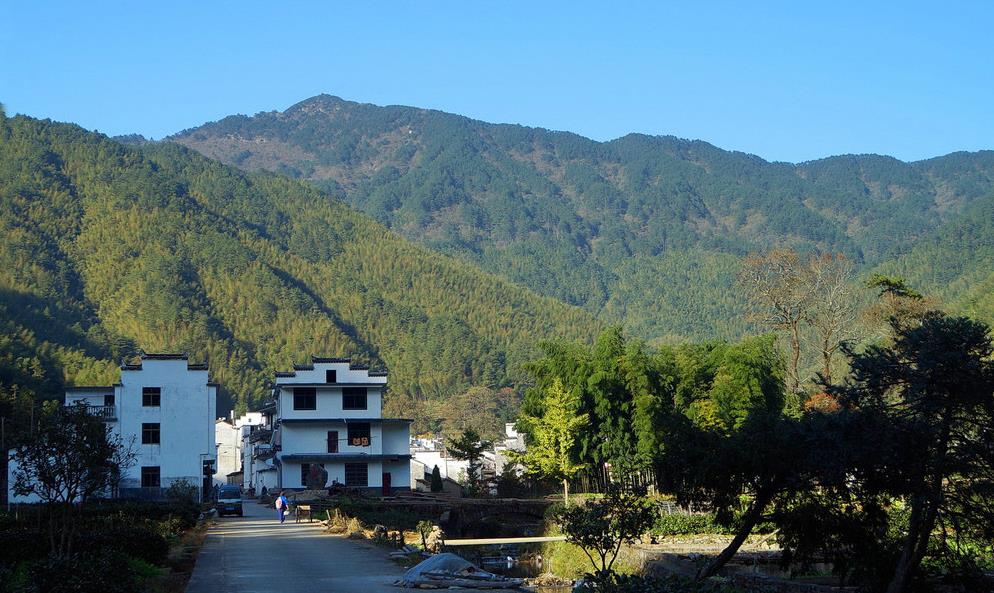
(282, 506)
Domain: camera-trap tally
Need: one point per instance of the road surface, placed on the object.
(255, 554)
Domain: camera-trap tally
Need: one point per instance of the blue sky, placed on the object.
(785, 80)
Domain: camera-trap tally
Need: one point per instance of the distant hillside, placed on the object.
(109, 248)
(956, 262)
(645, 231)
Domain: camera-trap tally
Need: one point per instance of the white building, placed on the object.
(258, 451)
(513, 441)
(164, 410)
(431, 453)
(330, 413)
(228, 435)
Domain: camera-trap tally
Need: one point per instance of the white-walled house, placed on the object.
(228, 441)
(330, 413)
(164, 409)
(228, 435)
(258, 451)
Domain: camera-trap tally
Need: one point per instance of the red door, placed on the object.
(386, 484)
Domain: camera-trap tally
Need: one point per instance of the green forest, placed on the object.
(645, 232)
(491, 239)
(111, 249)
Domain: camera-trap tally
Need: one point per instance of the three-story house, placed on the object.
(330, 413)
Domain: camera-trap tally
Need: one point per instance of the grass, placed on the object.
(568, 561)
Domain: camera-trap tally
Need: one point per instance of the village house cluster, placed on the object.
(326, 414)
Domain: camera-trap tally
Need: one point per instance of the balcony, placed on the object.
(105, 413)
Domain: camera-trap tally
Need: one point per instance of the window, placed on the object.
(151, 396)
(356, 475)
(359, 434)
(150, 433)
(305, 472)
(151, 477)
(305, 398)
(333, 441)
(109, 400)
(354, 398)
(331, 376)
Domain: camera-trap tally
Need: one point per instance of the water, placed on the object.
(511, 560)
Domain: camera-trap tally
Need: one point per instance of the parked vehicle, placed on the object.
(229, 501)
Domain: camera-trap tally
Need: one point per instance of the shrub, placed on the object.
(102, 572)
(699, 523)
(23, 544)
(136, 541)
(600, 527)
(183, 492)
(143, 570)
(667, 584)
(171, 526)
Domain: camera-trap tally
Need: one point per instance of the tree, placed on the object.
(436, 480)
(741, 444)
(481, 409)
(833, 311)
(470, 447)
(781, 293)
(897, 304)
(551, 453)
(931, 394)
(600, 527)
(425, 527)
(71, 458)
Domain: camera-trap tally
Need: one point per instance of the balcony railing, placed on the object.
(103, 412)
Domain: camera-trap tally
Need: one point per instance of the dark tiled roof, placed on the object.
(319, 359)
(286, 374)
(377, 373)
(333, 457)
(195, 366)
(332, 385)
(303, 367)
(358, 367)
(344, 420)
(164, 356)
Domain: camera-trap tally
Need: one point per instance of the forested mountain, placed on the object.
(955, 262)
(110, 248)
(643, 231)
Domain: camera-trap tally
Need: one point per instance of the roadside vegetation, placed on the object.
(75, 540)
(881, 471)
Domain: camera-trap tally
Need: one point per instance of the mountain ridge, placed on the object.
(110, 248)
(567, 215)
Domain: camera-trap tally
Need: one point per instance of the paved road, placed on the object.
(255, 554)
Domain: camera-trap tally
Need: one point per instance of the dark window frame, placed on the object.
(359, 434)
(332, 441)
(353, 469)
(355, 398)
(151, 397)
(303, 395)
(331, 376)
(109, 400)
(150, 474)
(151, 433)
(305, 470)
